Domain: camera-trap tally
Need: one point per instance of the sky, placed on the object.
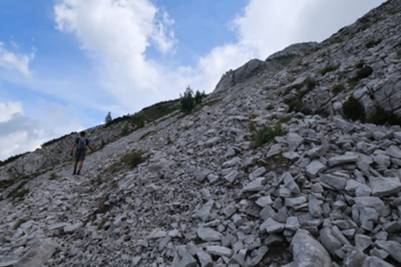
(65, 63)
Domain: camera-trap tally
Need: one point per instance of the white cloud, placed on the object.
(9, 110)
(20, 133)
(14, 61)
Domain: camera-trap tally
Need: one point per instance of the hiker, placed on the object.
(79, 147)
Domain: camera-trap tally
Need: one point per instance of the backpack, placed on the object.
(82, 142)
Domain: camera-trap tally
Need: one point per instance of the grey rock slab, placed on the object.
(314, 168)
(257, 173)
(204, 258)
(295, 201)
(272, 226)
(204, 212)
(219, 251)
(343, 159)
(394, 152)
(208, 234)
(255, 185)
(293, 141)
(289, 183)
(8, 261)
(231, 176)
(384, 186)
(362, 242)
(334, 181)
(257, 256)
(264, 201)
(184, 258)
(40, 252)
(354, 258)
(314, 206)
(329, 241)
(391, 247)
(375, 262)
(307, 251)
(157, 233)
(70, 228)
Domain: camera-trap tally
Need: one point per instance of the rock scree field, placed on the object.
(291, 161)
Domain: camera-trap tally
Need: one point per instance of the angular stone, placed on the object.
(219, 251)
(204, 258)
(354, 258)
(294, 140)
(334, 181)
(384, 186)
(290, 183)
(375, 262)
(212, 178)
(271, 226)
(157, 233)
(329, 241)
(183, 258)
(232, 176)
(309, 252)
(314, 206)
(292, 223)
(257, 256)
(204, 212)
(264, 201)
(295, 201)
(362, 242)
(254, 186)
(347, 158)
(391, 247)
(394, 152)
(257, 173)
(208, 234)
(314, 168)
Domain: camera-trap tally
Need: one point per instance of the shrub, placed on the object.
(310, 84)
(372, 43)
(382, 116)
(354, 110)
(125, 130)
(133, 158)
(362, 73)
(53, 176)
(328, 69)
(267, 135)
(338, 88)
(199, 96)
(187, 101)
(295, 104)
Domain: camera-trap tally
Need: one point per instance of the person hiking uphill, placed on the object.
(79, 147)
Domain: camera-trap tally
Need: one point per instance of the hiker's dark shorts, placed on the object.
(80, 155)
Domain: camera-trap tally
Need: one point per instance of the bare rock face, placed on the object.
(267, 171)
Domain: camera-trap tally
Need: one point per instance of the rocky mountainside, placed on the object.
(291, 161)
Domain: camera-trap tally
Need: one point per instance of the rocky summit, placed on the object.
(291, 161)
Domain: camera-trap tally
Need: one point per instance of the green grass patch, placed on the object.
(267, 135)
(338, 88)
(328, 69)
(133, 158)
(19, 192)
(148, 114)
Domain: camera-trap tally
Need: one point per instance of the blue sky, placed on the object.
(65, 63)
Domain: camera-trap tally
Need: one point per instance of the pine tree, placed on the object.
(187, 100)
(108, 118)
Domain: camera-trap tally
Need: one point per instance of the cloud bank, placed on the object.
(15, 62)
